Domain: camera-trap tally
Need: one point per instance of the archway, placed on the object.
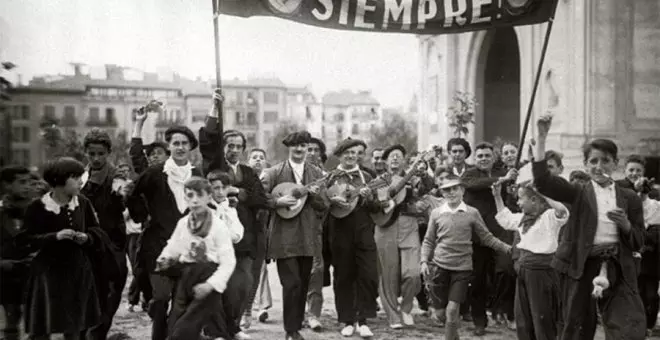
(498, 87)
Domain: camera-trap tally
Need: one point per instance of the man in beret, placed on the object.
(251, 198)
(354, 256)
(159, 194)
(294, 242)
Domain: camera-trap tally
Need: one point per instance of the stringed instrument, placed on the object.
(297, 191)
(351, 195)
(397, 184)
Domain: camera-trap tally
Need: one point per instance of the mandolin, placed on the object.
(397, 184)
(297, 191)
(351, 195)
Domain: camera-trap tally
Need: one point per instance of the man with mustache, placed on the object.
(293, 242)
(478, 194)
(251, 198)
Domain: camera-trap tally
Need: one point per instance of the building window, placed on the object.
(308, 113)
(110, 117)
(251, 139)
(271, 97)
(238, 118)
(49, 111)
(69, 118)
(239, 97)
(339, 117)
(199, 116)
(21, 112)
(252, 118)
(21, 157)
(268, 135)
(94, 116)
(355, 130)
(270, 116)
(251, 98)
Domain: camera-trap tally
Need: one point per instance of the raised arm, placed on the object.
(136, 149)
(554, 187)
(472, 181)
(210, 139)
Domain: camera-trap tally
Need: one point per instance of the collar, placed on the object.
(170, 164)
(609, 187)
(233, 166)
(296, 165)
(354, 169)
(445, 208)
(54, 207)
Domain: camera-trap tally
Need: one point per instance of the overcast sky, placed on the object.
(42, 36)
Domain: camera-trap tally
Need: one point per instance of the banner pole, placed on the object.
(218, 79)
(537, 80)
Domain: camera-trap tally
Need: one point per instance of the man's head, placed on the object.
(16, 181)
(220, 181)
(395, 156)
(297, 144)
(257, 159)
(97, 145)
(377, 160)
(509, 153)
(578, 177)
(452, 190)
(554, 161)
(601, 159)
(459, 149)
(635, 166)
(315, 150)
(180, 142)
(124, 169)
(484, 156)
(157, 152)
(348, 152)
(234, 143)
(197, 193)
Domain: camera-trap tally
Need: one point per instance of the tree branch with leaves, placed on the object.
(461, 113)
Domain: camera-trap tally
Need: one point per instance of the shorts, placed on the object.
(446, 285)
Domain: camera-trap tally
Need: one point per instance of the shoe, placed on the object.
(480, 331)
(396, 326)
(246, 321)
(407, 319)
(511, 325)
(348, 331)
(263, 316)
(314, 324)
(365, 332)
(242, 336)
(294, 336)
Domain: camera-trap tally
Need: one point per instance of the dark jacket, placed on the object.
(109, 207)
(479, 195)
(138, 158)
(580, 230)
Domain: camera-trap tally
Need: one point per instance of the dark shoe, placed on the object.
(263, 316)
(294, 336)
(480, 331)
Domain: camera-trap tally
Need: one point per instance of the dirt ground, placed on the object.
(137, 325)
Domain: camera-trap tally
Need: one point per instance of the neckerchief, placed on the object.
(200, 225)
(176, 177)
(529, 219)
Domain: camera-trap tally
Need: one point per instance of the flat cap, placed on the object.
(347, 144)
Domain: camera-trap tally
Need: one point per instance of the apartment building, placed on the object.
(349, 114)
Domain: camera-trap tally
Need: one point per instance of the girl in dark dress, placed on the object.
(63, 229)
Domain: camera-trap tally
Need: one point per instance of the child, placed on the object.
(448, 247)
(537, 294)
(201, 248)
(224, 203)
(634, 170)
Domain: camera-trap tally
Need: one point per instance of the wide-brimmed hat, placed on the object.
(451, 182)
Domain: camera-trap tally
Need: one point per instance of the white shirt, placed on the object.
(445, 208)
(298, 171)
(606, 231)
(542, 237)
(651, 212)
(131, 226)
(229, 218)
(219, 249)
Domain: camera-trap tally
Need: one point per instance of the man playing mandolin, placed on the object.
(354, 256)
(294, 193)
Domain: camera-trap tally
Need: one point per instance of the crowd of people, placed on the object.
(494, 242)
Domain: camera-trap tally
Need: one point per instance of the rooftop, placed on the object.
(348, 98)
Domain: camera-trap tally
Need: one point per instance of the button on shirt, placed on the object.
(606, 231)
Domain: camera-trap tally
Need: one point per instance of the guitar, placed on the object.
(297, 191)
(397, 184)
(351, 196)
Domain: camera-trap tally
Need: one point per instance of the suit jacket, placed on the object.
(579, 232)
(479, 195)
(296, 236)
(109, 207)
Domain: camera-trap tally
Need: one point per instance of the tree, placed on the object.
(395, 130)
(62, 143)
(277, 152)
(461, 114)
(120, 147)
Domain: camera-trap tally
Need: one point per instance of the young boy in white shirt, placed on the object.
(225, 200)
(200, 250)
(536, 307)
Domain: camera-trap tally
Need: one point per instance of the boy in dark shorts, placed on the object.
(447, 252)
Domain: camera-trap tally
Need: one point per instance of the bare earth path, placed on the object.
(138, 325)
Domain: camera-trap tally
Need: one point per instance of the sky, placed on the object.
(43, 36)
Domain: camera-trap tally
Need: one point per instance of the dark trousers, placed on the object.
(648, 290)
(482, 267)
(259, 261)
(537, 304)
(163, 288)
(236, 295)
(189, 315)
(294, 275)
(13, 315)
(505, 291)
(140, 283)
(114, 291)
(621, 306)
(354, 257)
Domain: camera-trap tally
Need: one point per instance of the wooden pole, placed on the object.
(218, 79)
(530, 107)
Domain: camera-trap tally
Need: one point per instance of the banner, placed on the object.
(401, 16)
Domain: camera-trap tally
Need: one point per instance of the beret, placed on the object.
(184, 130)
(389, 149)
(347, 144)
(297, 138)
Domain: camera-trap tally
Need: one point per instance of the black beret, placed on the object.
(320, 143)
(297, 138)
(462, 142)
(347, 144)
(389, 149)
(149, 148)
(192, 139)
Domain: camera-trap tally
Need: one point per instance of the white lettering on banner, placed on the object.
(476, 11)
(452, 14)
(327, 4)
(394, 8)
(422, 15)
(362, 8)
(343, 15)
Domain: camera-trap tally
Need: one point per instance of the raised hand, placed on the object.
(543, 124)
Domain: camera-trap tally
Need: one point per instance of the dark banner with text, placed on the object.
(402, 16)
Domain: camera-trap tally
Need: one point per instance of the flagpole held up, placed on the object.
(218, 79)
